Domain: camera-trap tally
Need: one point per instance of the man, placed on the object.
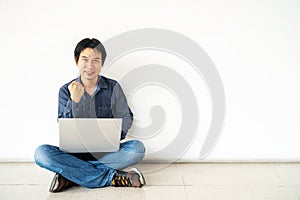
(92, 95)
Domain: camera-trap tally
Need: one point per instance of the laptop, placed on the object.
(88, 135)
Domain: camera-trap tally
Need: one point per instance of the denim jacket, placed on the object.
(107, 101)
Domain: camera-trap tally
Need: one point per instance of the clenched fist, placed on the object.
(76, 90)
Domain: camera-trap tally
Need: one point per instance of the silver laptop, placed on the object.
(82, 135)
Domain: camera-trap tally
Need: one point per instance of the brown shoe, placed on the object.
(132, 178)
(59, 184)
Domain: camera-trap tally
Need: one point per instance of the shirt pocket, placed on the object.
(104, 111)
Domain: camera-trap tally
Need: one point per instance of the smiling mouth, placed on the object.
(89, 73)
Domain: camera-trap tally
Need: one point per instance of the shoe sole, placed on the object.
(142, 179)
(53, 183)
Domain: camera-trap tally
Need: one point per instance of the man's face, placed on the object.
(89, 64)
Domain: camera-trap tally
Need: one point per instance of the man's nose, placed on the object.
(89, 64)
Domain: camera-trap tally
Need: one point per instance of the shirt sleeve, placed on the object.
(120, 109)
(67, 108)
(64, 104)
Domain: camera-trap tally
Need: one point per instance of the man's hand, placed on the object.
(76, 90)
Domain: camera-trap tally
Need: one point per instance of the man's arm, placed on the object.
(64, 103)
(70, 104)
(121, 109)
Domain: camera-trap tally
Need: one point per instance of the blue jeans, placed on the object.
(90, 173)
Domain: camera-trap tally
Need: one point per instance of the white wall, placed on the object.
(254, 45)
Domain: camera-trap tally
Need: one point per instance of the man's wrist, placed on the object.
(75, 100)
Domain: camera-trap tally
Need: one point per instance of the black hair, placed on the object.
(89, 43)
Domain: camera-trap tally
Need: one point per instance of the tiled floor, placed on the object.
(192, 181)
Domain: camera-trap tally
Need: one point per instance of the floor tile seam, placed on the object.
(21, 184)
(254, 186)
(185, 190)
(168, 185)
